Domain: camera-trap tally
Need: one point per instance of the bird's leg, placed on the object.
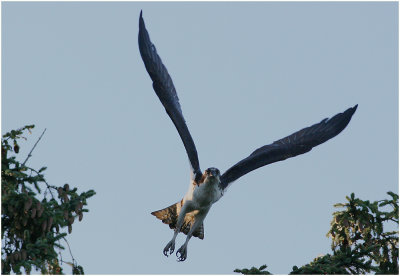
(170, 247)
(182, 251)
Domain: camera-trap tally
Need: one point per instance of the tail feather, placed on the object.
(170, 215)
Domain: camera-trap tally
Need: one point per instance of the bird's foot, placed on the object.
(182, 251)
(170, 247)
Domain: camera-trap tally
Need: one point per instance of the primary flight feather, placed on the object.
(188, 214)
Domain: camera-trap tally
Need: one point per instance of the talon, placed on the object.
(182, 254)
(169, 247)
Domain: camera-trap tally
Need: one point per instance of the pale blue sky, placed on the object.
(247, 74)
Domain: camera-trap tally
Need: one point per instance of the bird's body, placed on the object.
(193, 208)
(188, 214)
(204, 195)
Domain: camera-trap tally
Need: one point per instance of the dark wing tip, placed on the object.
(327, 129)
(347, 115)
(144, 42)
(353, 109)
(141, 21)
(350, 111)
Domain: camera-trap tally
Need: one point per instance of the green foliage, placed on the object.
(253, 270)
(34, 213)
(358, 231)
(327, 264)
(359, 243)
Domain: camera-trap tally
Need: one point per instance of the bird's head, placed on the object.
(212, 174)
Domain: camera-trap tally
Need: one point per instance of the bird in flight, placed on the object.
(188, 214)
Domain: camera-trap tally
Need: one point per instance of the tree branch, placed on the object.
(49, 187)
(70, 252)
(34, 146)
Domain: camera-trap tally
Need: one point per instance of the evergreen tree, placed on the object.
(35, 215)
(359, 243)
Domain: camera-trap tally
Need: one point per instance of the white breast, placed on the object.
(206, 194)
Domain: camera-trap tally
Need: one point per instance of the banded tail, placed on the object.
(170, 215)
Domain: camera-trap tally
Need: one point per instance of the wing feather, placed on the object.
(297, 143)
(165, 90)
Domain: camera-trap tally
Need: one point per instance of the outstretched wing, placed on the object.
(298, 143)
(165, 90)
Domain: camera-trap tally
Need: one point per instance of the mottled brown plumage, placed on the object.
(170, 215)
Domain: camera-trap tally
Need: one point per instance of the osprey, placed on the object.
(188, 214)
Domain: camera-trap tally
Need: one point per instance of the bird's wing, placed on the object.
(165, 90)
(298, 143)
